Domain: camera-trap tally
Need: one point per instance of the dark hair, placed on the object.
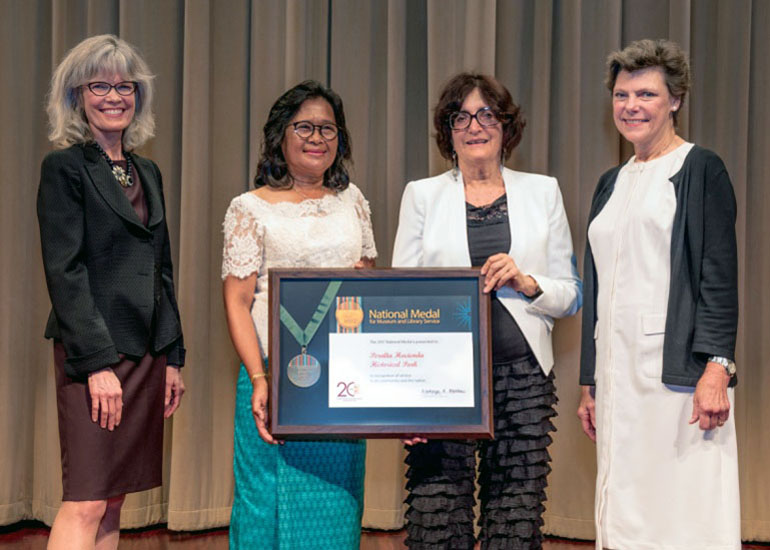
(272, 169)
(495, 94)
(647, 53)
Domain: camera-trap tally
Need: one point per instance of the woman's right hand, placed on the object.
(259, 409)
(414, 440)
(587, 411)
(106, 398)
(239, 296)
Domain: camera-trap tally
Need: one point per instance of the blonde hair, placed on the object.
(105, 53)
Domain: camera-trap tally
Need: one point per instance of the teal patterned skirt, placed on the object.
(299, 495)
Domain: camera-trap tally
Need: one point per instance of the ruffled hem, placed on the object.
(525, 486)
(512, 474)
(440, 503)
(441, 463)
(519, 529)
(516, 405)
(511, 542)
(453, 535)
(518, 473)
(432, 520)
(510, 447)
(422, 486)
(518, 515)
(438, 448)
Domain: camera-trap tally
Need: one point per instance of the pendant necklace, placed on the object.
(124, 177)
(318, 206)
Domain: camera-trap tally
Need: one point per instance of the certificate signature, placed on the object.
(401, 369)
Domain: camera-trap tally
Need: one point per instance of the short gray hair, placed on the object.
(105, 53)
(647, 53)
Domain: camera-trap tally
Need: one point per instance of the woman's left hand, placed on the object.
(174, 390)
(501, 270)
(710, 404)
(587, 411)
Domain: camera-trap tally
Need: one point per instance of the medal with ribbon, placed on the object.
(304, 370)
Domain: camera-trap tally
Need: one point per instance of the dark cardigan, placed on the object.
(702, 315)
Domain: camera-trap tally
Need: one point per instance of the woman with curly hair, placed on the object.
(512, 225)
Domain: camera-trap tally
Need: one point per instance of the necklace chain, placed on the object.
(124, 177)
(304, 195)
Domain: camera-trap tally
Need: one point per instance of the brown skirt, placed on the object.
(98, 464)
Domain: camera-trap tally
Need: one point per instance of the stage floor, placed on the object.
(33, 536)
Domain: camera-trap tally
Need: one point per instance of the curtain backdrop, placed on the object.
(219, 65)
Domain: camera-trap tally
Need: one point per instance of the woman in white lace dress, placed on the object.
(304, 212)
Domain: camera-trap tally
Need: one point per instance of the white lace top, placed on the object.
(333, 231)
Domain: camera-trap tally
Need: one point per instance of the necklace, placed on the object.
(124, 177)
(305, 195)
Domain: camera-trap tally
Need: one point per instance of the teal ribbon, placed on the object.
(304, 337)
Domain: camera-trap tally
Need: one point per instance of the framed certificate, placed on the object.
(379, 353)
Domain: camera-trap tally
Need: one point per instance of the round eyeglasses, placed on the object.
(305, 129)
(460, 120)
(103, 88)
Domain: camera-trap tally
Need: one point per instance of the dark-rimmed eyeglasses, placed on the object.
(305, 129)
(460, 120)
(103, 88)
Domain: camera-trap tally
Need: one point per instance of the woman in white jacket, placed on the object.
(513, 225)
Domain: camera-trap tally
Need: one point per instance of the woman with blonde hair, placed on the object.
(117, 335)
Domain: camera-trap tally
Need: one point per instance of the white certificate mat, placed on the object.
(405, 369)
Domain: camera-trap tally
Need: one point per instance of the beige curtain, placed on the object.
(221, 63)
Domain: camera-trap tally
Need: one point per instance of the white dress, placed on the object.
(662, 483)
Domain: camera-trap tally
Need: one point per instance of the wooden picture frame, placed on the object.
(439, 318)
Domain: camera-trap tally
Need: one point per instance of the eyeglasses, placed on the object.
(103, 88)
(305, 129)
(460, 120)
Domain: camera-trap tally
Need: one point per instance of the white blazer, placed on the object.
(432, 232)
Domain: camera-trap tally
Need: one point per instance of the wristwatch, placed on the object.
(725, 362)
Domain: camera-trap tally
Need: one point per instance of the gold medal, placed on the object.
(349, 314)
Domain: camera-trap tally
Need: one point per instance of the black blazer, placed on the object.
(109, 277)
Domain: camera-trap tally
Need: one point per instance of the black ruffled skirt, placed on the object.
(512, 471)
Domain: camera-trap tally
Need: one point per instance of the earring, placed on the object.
(454, 165)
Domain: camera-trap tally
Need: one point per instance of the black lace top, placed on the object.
(489, 233)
